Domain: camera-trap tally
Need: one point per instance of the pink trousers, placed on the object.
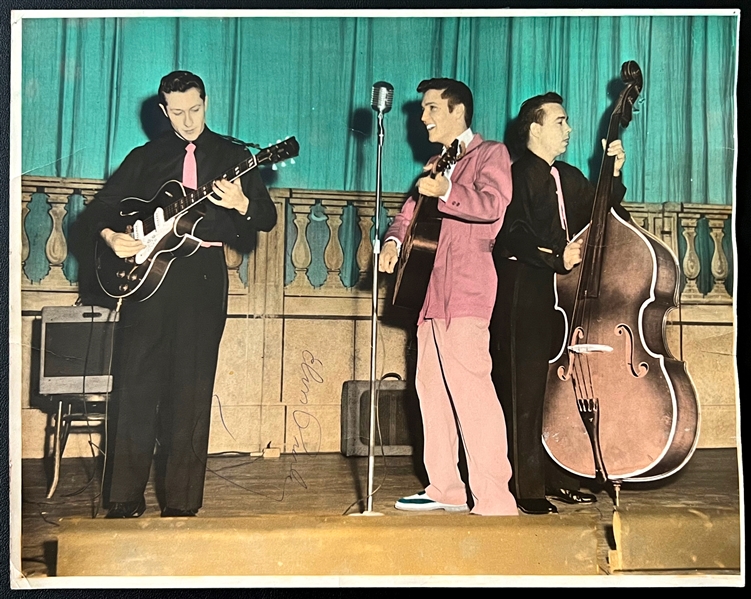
(453, 375)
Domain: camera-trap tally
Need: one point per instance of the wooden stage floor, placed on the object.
(329, 485)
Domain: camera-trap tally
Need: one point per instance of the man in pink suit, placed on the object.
(453, 381)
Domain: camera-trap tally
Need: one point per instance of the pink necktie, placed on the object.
(190, 180)
(190, 174)
(561, 205)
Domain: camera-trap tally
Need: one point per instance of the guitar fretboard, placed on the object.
(192, 198)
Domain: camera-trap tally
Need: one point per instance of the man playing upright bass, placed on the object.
(552, 202)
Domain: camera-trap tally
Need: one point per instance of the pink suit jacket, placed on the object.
(464, 280)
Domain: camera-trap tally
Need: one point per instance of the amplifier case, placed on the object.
(398, 413)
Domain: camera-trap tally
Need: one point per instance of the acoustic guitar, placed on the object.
(420, 243)
(165, 225)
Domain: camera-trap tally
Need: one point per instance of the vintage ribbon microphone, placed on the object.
(381, 99)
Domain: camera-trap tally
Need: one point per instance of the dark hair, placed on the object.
(454, 91)
(532, 112)
(180, 81)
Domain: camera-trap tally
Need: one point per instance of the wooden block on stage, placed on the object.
(401, 545)
(665, 538)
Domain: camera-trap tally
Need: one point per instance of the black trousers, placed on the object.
(165, 364)
(522, 331)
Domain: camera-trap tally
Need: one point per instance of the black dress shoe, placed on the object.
(126, 509)
(170, 512)
(569, 496)
(536, 506)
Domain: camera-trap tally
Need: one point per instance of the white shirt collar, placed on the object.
(466, 138)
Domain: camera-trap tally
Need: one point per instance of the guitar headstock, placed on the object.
(289, 148)
(448, 158)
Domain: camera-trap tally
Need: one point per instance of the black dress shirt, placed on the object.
(532, 219)
(148, 167)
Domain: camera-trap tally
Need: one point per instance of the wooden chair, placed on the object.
(75, 368)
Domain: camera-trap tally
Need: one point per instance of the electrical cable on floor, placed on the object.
(215, 471)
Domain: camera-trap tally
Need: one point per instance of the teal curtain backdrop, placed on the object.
(89, 85)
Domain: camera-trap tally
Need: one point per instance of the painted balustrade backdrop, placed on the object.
(328, 240)
(307, 287)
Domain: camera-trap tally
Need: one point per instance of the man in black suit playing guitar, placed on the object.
(168, 345)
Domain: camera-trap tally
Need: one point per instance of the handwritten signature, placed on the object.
(309, 373)
(308, 437)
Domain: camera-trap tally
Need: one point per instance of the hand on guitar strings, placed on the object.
(388, 257)
(230, 194)
(123, 244)
(616, 149)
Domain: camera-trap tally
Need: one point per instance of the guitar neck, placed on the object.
(192, 198)
(200, 194)
(271, 155)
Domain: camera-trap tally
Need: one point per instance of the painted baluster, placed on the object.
(24, 237)
(38, 227)
(365, 249)
(234, 260)
(691, 264)
(57, 245)
(301, 256)
(720, 267)
(333, 254)
(74, 208)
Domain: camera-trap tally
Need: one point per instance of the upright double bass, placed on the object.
(618, 405)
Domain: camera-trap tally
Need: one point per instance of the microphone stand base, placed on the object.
(366, 513)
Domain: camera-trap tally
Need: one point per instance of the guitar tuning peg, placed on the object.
(278, 141)
(274, 168)
(283, 164)
(292, 161)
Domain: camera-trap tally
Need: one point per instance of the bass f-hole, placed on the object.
(625, 330)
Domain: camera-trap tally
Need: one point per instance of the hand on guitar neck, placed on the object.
(230, 194)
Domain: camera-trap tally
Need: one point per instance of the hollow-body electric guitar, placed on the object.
(165, 225)
(417, 256)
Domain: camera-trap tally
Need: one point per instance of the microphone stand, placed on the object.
(374, 322)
